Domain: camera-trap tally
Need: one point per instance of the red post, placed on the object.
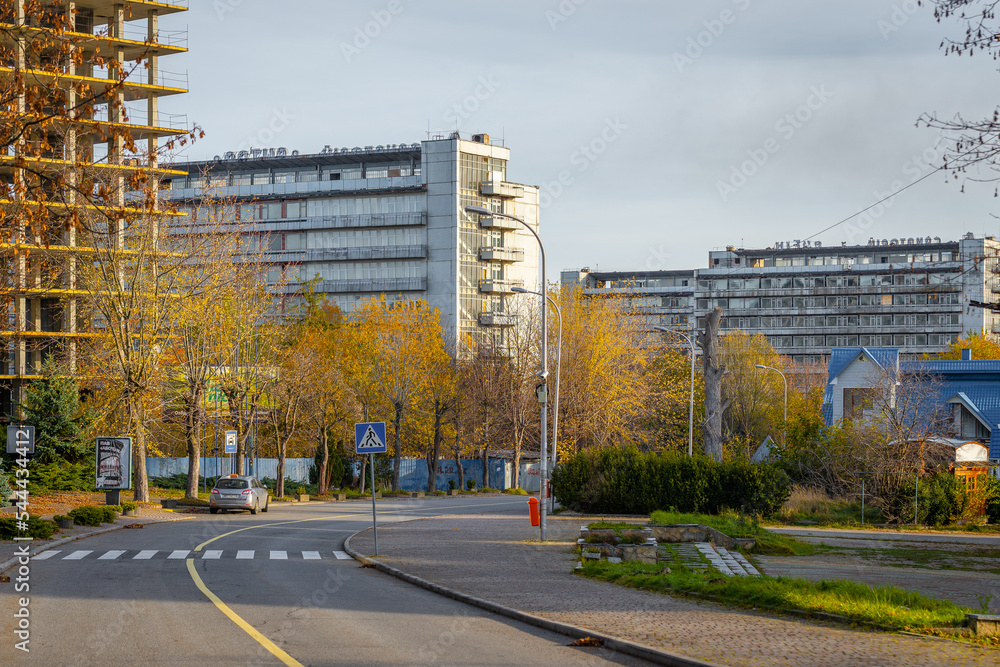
(533, 510)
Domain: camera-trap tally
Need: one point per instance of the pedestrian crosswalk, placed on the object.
(182, 554)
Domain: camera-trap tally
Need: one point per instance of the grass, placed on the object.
(734, 525)
(883, 605)
(516, 492)
(614, 525)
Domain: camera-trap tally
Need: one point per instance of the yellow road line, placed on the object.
(235, 618)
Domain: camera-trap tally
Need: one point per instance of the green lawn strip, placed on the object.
(971, 558)
(974, 528)
(883, 605)
(733, 525)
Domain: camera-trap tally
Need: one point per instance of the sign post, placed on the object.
(369, 438)
(20, 439)
(230, 447)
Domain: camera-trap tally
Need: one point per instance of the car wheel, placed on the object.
(253, 510)
(213, 510)
(266, 503)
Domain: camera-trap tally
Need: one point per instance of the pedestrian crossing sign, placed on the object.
(369, 438)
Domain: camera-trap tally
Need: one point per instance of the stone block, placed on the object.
(984, 625)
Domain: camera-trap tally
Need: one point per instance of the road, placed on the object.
(235, 589)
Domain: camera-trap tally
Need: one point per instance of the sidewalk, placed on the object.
(486, 556)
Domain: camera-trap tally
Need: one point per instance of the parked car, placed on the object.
(238, 492)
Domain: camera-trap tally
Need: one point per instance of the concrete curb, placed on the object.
(610, 642)
(6, 565)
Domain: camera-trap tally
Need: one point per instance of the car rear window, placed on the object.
(231, 484)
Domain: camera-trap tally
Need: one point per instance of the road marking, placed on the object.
(310, 555)
(179, 554)
(342, 555)
(244, 555)
(235, 618)
(111, 555)
(279, 555)
(212, 554)
(45, 555)
(144, 555)
(78, 555)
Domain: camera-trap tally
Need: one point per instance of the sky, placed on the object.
(657, 129)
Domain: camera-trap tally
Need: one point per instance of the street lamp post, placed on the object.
(784, 429)
(690, 340)
(543, 373)
(555, 406)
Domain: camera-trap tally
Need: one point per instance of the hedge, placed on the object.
(627, 481)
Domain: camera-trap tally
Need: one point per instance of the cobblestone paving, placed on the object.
(486, 556)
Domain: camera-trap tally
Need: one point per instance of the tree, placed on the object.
(754, 397)
(669, 378)
(477, 417)
(53, 406)
(708, 340)
(982, 346)
(403, 344)
(974, 143)
(441, 396)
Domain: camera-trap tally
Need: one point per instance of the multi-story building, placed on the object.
(918, 295)
(87, 75)
(383, 220)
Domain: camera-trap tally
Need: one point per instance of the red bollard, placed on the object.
(533, 510)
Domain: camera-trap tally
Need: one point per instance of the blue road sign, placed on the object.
(369, 438)
(230, 442)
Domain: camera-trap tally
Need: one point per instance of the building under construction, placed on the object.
(81, 129)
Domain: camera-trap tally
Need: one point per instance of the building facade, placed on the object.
(88, 83)
(382, 220)
(918, 295)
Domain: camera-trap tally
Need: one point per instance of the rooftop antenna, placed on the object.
(428, 129)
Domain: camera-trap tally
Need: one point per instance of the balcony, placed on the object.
(491, 286)
(501, 254)
(501, 189)
(496, 222)
(490, 319)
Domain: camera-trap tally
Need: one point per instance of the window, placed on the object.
(858, 403)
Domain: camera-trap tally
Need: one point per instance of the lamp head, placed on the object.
(519, 290)
(478, 210)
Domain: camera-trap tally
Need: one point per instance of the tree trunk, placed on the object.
(461, 472)
(282, 448)
(323, 463)
(361, 480)
(435, 453)
(708, 340)
(397, 453)
(486, 469)
(192, 433)
(139, 453)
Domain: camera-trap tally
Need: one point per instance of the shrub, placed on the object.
(129, 506)
(992, 500)
(451, 485)
(38, 528)
(516, 492)
(942, 499)
(5, 489)
(627, 481)
(94, 515)
(470, 484)
(60, 476)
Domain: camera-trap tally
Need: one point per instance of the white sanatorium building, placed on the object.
(385, 220)
(918, 295)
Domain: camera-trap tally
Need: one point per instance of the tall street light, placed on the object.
(555, 417)
(543, 373)
(784, 429)
(690, 340)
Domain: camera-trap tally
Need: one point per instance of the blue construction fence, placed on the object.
(413, 472)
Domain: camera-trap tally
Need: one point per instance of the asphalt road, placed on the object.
(235, 589)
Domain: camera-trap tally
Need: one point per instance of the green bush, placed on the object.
(993, 500)
(129, 506)
(942, 499)
(627, 481)
(5, 489)
(40, 529)
(515, 492)
(60, 476)
(94, 515)
(470, 484)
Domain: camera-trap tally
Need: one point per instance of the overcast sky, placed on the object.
(657, 129)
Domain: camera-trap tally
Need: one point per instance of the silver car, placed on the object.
(238, 492)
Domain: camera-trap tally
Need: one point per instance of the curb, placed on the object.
(6, 565)
(610, 642)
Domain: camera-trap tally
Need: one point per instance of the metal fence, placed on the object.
(165, 466)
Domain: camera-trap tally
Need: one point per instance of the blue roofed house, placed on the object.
(963, 396)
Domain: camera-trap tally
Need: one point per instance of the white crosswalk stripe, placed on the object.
(78, 555)
(45, 555)
(244, 555)
(178, 554)
(342, 555)
(210, 554)
(111, 555)
(181, 554)
(144, 555)
(310, 555)
(279, 555)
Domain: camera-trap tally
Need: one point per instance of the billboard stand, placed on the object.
(113, 497)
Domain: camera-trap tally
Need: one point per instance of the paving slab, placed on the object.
(494, 557)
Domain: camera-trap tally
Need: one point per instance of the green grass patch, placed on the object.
(883, 605)
(516, 492)
(734, 525)
(614, 525)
